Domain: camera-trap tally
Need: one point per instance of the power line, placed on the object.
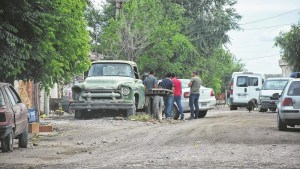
(269, 17)
(260, 57)
(270, 26)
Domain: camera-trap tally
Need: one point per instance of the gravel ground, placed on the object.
(223, 139)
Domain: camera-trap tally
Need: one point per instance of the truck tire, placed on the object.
(157, 107)
(233, 107)
(202, 113)
(132, 110)
(7, 143)
(23, 138)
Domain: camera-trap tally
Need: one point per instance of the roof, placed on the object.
(115, 61)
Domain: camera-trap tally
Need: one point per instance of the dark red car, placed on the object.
(13, 118)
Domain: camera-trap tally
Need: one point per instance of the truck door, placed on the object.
(240, 89)
(254, 86)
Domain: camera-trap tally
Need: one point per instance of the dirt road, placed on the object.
(223, 139)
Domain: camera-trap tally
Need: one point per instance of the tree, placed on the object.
(43, 41)
(289, 43)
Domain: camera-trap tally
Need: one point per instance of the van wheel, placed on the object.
(281, 126)
(23, 138)
(233, 107)
(202, 114)
(7, 143)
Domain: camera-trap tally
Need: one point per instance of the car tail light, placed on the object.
(186, 94)
(212, 93)
(287, 102)
(231, 88)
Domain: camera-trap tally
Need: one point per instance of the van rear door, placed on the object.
(247, 87)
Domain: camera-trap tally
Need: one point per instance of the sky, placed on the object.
(255, 44)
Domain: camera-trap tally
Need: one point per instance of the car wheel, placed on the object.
(281, 126)
(7, 143)
(78, 114)
(233, 107)
(175, 112)
(157, 107)
(202, 113)
(260, 109)
(23, 138)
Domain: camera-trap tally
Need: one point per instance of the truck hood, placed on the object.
(269, 92)
(106, 82)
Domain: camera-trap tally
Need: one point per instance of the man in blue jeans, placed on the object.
(194, 85)
(167, 83)
(177, 94)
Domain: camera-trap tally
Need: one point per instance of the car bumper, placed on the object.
(269, 104)
(98, 105)
(290, 116)
(4, 131)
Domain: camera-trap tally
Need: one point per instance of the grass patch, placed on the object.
(141, 117)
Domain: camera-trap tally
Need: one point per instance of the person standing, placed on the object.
(177, 94)
(150, 81)
(167, 83)
(194, 85)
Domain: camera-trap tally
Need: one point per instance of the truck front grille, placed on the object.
(102, 95)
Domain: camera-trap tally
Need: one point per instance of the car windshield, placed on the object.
(294, 89)
(274, 84)
(111, 69)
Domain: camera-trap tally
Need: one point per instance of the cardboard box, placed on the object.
(33, 128)
(46, 128)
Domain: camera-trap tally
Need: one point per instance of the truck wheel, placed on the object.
(202, 113)
(157, 104)
(175, 112)
(131, 111)
(233, 107)
(7, 143)
(23, 138)
(281, 126)
(78, 114)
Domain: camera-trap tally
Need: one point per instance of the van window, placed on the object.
(241, 81)
(245, 81)
(252, 81)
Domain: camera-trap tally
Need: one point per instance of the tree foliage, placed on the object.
(46, 41)
(289, 43)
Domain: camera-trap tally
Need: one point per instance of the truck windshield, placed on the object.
(274, 84)
(111, 69)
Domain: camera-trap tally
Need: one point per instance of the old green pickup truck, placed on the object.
(110, 85)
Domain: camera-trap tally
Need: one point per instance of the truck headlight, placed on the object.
(125, 91)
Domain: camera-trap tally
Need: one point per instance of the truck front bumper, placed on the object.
(99, 105)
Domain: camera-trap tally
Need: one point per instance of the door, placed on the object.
(20, 116)
(247, 87)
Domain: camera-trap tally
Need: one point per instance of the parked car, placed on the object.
(288, 106)
(244, 89)
(13, 118)
(207, 100)
(295, 75)
(266, 100)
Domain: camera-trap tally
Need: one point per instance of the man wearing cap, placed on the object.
(194, 85)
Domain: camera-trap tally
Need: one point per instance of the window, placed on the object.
(111, 69)
(10, 97)
(2, 102)
(241, 81)
(294, 89)
(274, 84)
(252, 81)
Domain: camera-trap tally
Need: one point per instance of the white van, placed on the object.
(245, 86)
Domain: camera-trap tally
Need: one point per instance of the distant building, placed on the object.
(286, 69)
